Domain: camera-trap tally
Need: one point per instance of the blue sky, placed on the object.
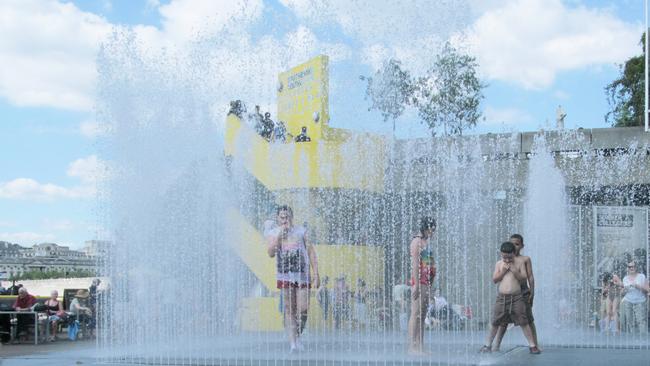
(534, 55)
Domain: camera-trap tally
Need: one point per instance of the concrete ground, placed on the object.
(324, 353)
(83, 354)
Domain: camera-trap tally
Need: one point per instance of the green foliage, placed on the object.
(447, 97)
(625, 95)
(45, 275)
(389, 90)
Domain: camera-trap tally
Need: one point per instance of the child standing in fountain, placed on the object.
(510, 306)
(423, 272)
(296, 262)
(527, 289)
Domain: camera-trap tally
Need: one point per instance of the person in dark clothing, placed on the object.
(236, 108)
(24, 302)
(267, 127)
(303, 135)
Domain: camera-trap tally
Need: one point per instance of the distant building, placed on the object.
(96, 248)
(45, 257)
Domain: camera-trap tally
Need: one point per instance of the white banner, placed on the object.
(620, 233)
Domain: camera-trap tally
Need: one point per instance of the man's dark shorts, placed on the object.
(510, 309)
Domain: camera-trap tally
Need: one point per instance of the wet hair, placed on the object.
(518, 236)
(507, 247)
(284, 208)
(427, 223)
(606, 277)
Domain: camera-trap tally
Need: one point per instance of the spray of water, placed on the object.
(180, 291)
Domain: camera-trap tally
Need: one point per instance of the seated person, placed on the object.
(24, 302)
(267, 127)
(55, 313)
(303, 135)
(80, 310)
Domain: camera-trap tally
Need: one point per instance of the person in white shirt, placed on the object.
(633, 316)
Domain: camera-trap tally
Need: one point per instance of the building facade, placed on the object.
(45, 257)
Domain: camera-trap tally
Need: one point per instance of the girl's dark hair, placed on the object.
(427, 223)
(284, 208)
(606, 277)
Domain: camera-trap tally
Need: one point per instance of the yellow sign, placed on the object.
(303, 98)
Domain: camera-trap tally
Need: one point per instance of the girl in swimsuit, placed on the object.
(423, 271)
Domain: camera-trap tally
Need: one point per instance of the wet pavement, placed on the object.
(87, 353)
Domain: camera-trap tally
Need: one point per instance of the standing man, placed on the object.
(527, 290)
(297, 272)
(509, 306)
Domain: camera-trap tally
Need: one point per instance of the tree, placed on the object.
(44, 275)
(389, 90)
(450, 93)
(447, 96)
(625, 95)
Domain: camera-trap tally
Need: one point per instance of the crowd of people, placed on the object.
(81, 314)
(297, 272)
(268, 129)
(624, 300)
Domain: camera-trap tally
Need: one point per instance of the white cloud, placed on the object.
(92, 129)
(528, 42)
(508, 116)
(409, 30)
(26, 238)
(48, 49)
(47, 53)
(88, 170)
(183, 19)
(30, 189)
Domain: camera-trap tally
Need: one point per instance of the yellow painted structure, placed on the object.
(353, 262)
(303, 93)
(352, 161)
(334, 159)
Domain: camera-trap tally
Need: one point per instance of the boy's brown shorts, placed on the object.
(510, 309)
(529, 307)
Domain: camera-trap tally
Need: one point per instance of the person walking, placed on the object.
(297, 272)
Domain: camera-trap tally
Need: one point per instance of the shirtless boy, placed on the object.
(510, 306)
(527, 290)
